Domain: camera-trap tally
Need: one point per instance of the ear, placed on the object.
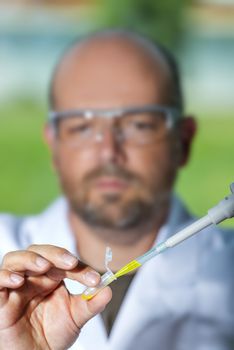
(50, 139)
(49, 136)
(188, 128)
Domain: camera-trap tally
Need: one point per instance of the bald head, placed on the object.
(113, 69)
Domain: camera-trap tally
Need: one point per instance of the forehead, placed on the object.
(110, 72)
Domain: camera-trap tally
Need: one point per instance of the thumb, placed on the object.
(83, 310)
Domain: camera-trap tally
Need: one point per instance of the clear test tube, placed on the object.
(106, 279)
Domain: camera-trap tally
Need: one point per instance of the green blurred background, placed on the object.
(32, 36)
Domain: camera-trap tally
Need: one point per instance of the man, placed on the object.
(117, 136)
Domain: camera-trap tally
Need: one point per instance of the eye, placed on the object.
(77, 126)
(142, 125)
(144, 122)
(81, 128)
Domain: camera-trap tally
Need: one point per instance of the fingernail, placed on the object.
(92, 277)
(40, 262)
(69, 259)
(16, 279)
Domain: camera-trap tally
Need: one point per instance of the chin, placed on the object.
(112, 212)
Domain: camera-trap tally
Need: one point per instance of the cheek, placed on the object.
(72, 165)
(155, 165)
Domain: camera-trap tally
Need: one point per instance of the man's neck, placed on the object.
(126, 245)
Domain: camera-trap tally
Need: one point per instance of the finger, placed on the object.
(83, 311)
(58, 256)
(10, 280)
(81, 273)
(25, 261)
(64, 262)
(98, 303)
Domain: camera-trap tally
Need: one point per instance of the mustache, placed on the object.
(111, 169)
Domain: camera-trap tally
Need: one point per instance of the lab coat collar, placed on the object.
(156, 289)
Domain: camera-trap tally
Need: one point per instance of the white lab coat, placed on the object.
(180, 300)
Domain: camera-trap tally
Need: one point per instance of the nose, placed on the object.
(108, 144)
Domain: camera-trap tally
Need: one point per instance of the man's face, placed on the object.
(112, 184)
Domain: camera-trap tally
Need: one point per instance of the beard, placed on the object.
(110, 213)
(132, 209)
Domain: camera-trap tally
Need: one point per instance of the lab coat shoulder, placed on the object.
(48, 227)
(216, 252)
(9, 233)
(214, 285)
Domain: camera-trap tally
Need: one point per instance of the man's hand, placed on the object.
(36, 310)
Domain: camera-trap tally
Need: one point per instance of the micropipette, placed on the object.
(222, 211)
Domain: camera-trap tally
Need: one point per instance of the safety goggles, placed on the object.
(142, 125)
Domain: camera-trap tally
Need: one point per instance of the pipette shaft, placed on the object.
(176, 238)
(222, 211)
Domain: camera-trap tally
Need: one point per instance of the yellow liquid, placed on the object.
(87, 297)
(134, 264)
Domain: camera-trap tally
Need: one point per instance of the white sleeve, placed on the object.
(9, 240)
